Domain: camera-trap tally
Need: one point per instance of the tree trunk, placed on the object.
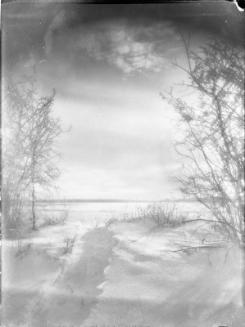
(33, 200)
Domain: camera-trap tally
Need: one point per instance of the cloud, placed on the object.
(129, 48)
(33, 26)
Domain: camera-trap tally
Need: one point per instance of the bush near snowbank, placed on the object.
(163, 216)
(159, 215)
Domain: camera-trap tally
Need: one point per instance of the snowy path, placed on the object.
(66, 300)
(78, 285)
(123, 276)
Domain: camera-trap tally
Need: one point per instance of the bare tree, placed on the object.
(30, 153)
(14, 167)
(213, 141)
(39, 148)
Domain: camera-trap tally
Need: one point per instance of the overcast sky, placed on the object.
(108, 64)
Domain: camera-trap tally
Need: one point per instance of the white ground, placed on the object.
(123, 275)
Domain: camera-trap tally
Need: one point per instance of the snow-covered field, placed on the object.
(83, 271)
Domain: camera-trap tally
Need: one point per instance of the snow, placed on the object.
(125, 274)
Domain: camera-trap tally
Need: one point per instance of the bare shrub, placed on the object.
(55, 220)
(161, 216)
(164, 216)
(212, 133)
(69, 244)
(109, 222)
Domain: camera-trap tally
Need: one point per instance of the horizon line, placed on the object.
(94, 200)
